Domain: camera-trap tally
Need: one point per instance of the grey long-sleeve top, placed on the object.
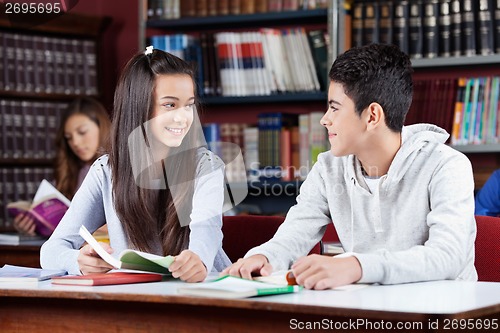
(92, 206)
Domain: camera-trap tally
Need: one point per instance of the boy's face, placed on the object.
(345, 127)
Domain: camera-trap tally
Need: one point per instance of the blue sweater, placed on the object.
(93, 206)
(488, 198)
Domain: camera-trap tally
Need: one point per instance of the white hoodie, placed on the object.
(419, 227)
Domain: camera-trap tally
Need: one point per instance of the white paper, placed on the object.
(98, 248)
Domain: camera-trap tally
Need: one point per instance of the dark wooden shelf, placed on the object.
(281, 98)
(315, 16)
(24, 162)
(41, 96)
(493, 59)
(483, 148)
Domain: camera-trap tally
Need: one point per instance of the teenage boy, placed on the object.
(401, 200)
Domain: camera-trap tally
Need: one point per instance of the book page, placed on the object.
(98, 248)
(18, 207)
(148, 262)
(12, 273)
(47, 190)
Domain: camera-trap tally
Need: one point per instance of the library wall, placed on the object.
(43, 67)
(120, 40)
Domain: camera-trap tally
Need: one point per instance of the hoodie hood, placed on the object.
(414, 138)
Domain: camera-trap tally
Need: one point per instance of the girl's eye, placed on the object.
(189, 106)
(169, 105)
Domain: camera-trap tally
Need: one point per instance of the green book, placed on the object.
(130, 259)
(234, 287)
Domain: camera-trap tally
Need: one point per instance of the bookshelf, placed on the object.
(339, 18)
(43, 67)
(446, 40)
(220, 108)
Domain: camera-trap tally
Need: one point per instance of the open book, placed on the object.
(48, 207)
(130, 259)
(235, 287)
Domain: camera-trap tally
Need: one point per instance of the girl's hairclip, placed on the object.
(149, 50)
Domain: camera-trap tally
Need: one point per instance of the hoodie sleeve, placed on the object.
(488, 198)
(303, 227)
(448, 252)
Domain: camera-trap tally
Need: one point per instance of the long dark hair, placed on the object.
(68, 164)
(149, 215)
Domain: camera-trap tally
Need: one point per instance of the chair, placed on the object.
(487, 246)
(241, 233)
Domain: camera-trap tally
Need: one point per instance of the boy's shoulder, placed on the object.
(445, 153)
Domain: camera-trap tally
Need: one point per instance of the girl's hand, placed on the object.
(90, 262)
(25, 224)
(188, 267)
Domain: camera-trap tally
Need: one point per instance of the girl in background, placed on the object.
(82, 137)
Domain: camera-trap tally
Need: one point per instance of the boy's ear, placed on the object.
(375, 115)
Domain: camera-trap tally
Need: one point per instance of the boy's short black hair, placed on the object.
(378, 73)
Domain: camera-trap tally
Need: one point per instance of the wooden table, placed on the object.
(156, 307)
(20, 255)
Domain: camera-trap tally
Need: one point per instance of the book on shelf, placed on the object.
(444, 28)
(358, 11)
(430, 15)
(416, 30)
(110, 278)
(47, 209)
(12, 238)
(485, 27)
(386, 22)
(401, 26)
(234, 287)
(130, 259)
(319, 51)
(468, 28)
(495, 8)
(456, 28)
(12, 273)
(371, 22)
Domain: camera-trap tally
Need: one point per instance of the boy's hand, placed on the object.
(324, 272)
(90, 262)
(188, 267)
(244, 268)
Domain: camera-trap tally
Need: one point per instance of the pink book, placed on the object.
(47, 209)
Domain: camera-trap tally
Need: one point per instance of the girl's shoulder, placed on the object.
(208, 161)
(101, 165)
